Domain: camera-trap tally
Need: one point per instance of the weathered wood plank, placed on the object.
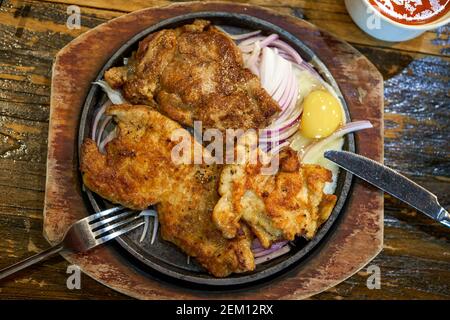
(24, 84)
(396, 281)
(27, 139)
(23, 237)
(410, 263)
(417, 111)
(43, 26)
(329, 15)
(128, 6)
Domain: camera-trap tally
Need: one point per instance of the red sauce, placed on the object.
(412, 12)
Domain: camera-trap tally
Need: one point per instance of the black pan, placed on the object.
(163, 257)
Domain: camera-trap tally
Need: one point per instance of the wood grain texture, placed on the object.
(414, 263)
(357, 238)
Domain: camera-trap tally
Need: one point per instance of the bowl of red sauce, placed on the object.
(398, 20)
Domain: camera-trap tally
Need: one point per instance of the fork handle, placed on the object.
(30, 261)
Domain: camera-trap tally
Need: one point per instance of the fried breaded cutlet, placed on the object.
(138, 171)
(195, 72)
(276, 207)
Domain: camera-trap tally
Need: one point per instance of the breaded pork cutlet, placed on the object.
(195, 72)
(276, 207)
(138, 170)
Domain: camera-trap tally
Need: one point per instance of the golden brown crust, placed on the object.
(137, 171)
(195, 72)
(275, 207)
(116, 76)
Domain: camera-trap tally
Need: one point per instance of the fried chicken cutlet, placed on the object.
(138, 170)
(276, 207)
(195, 72)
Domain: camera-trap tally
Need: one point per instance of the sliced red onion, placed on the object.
(348, 128)
(289, 50)
(262, 251)
(109, 138)
(288, 132)
(290, 116)
(256, 245)
(277, 149)
(114, 95)
(155, 229)
(102, 127)
(306, 66)
(278, 78)
(285, 49)
(272, 69)
(281, 83)
(281, 134)
(292, 95)
(292, 108)
(247, 45)
(267, 69)
(275, 141)
(100, 113)
(277, 130)
(273, 255)
(284, 121)
(239, 36)
(144, 232)
(147, 214)
(281, 72)
(245, 35)
(250, 41)
(287, 71)
(252, 61)
(283, 101)
(280, 51)
(291, 102)
(287, 57)
(270, 39)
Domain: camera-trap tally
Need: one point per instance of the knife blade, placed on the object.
(391, 182)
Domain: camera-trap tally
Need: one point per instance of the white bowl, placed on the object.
(381, 27)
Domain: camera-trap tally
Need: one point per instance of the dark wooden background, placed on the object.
(415, 262)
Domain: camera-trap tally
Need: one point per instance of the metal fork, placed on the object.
(85, 234)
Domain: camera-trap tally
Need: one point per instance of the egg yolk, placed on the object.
(322, 115)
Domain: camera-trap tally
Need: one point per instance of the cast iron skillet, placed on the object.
(164, 257)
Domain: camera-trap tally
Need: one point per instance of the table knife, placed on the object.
(391, 182)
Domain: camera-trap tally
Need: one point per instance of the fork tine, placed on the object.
(115, 225)
(105, 221)
(97, 215)
(119, 232)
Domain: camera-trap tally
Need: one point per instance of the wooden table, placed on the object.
(415, 262)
